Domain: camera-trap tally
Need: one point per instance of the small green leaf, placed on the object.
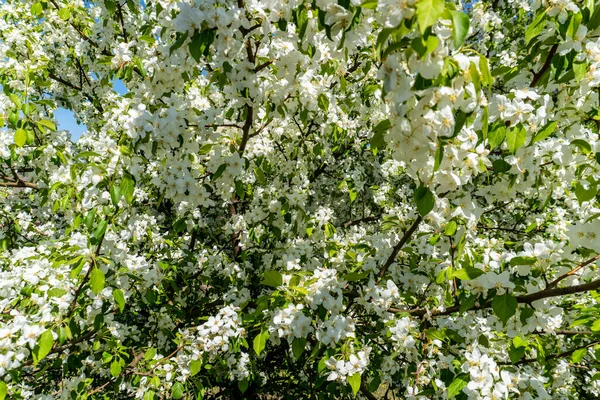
(467, 274)
(536, 26)
(323, 102)
(372, 4)
(504, 306)
(119, 299)
(195, 367)
(436, 334)
(149, 354)
(460, 27)
(377, 140)
(501, 166)
(484, 67)
(97, 280)
(582, 145)
(115, 195)
(36, 9)
(584, 194)
(260, 340)
(115, 368)
(127, 188)
(272, 278)
(457, 386)
(243, 385)
(64, 13)
(439, 157)
(578, 355)
(15, 99)
(354, 381)
(429, 12)
(3, 390)
(298, 346)
(177, 390)
(424, 199)
(46, 123)
(100, 229)
(522, 260)
(515, 138)
(450, 229)
(20, 137)
(496, 137)
(44, 345)
(544, 132)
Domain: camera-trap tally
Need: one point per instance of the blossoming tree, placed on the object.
(311, 199)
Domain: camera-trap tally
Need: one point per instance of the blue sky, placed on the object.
(66, 119)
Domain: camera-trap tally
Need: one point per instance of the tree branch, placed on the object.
(538, 75)
(399, 246)
(555, 282)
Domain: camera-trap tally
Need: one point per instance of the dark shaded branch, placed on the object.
(399, 246)
(538, 75)
(555, 282)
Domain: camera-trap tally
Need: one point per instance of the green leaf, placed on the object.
(460, 27)
(484, 67)
(97, 280)
(516, 353)
(150, 395)
(544, 132)
(36, 9)
(272, 278)
(20, 137)
(3, 390)
(115, 195)
(584, 194)
(260, 340)
(127, 188)
(115, 368)
(372, 4)
(522, 260)
(377, 140)
(515, 138)
(323, 102)
(439, 157)
(436, 334)
(428, 12)
(260, 176)
(119, 299)
(195, 367)
(177, 391)
(496, 137)
(15, 99)
(450, 228)
(474, 73)
(501, 166)
(46, 123)
(467, 274)
(149, 354)
(582, 145)
(298, 346)
(424, 199)
(578, 355)
(504, 307)
(100, 229)
(44, 345)
(354, 381)
(536, 26)
(518, 341)
(64, 13)
(457, 386)
(243, 385)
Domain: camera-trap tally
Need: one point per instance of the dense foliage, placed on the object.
(300, 199)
